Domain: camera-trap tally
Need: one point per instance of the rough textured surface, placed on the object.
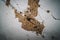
(33, 7)
(29, 22)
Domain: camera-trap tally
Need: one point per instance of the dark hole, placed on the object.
(28, 19)
(38, 5)
(43, 36)
(48, 11)
(20, 12)
(24, 15)
(52, 37)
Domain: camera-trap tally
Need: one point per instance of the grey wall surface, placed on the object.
(10, 28)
